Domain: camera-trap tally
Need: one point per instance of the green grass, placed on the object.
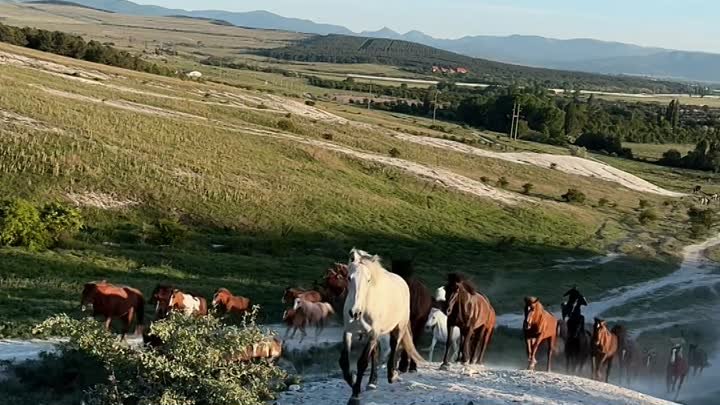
(283, 211)
(653, 152)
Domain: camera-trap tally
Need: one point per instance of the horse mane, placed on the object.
(460, 278)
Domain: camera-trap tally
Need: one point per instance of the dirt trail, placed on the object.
(694, 272)
(568, 164)
(50, 67)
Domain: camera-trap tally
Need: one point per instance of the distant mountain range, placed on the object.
(588, 55)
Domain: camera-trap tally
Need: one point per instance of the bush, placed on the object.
(327, 136)
(310, 103)
(553, 166)
(647, 216)
(645, 204)
(603, 202)
(527, 188)
(574, 196)
(394, 152)
(165, 232)
(706, 217)
(502, 182)
(485, 179)
(195, 365)
(578, 151)
(61, 221)
(20, 225)
(286, 125)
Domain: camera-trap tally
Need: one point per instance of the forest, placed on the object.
(420, 59)
(76, 47)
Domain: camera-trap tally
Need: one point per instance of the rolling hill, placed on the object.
(421, 59)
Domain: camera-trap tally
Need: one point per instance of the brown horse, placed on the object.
(230, 304)
(269, 349)
(421, 302)
(290, 294)
(604, 349)
(473, 314)
(539, 326)
(294, 320)
(677, 370)
(629, 355)
(188, 304)
(111, 301)
(335, 284)
(161, 299)
(313, 314)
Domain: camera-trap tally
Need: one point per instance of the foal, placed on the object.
(313, 314)
(539, 326)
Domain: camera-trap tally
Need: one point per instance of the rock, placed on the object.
(294, 387)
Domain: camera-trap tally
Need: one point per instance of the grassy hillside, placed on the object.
(271, 197)
(421, 58)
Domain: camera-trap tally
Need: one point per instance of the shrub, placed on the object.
(603, 202)
(647, 216)
(578, 151)
(485, 179)
(61, 221)
(195, 365)
(706, 217)
(394, 152)
(553, 166)
(310, 103)
(573, 195)
(20, 225)
(327, 136)
(527, 188)
(286, 125)
(502, 182)
(645, 204)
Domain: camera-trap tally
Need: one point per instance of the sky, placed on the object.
(676, 24)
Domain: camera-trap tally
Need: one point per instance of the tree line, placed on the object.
(76, 47)
(595, 124)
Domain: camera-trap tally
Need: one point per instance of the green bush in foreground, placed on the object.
(195, 365)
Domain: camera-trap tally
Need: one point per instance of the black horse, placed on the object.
(421, 302)
(577, 339)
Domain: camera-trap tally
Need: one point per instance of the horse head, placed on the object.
(297, 303)
(88, 295)
(336, 279)
(533, 312)
(360, 271)
(600, 332)
(221, 296)
(440, 294)
(161, 298)
(434, 319)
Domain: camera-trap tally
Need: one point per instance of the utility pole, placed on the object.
(435, 104)
(515, 122)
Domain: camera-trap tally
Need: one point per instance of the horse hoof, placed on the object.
(371, 387)
(444, 367)
(354, 401)
(395, 377)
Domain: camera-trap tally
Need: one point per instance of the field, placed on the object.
(654, 152)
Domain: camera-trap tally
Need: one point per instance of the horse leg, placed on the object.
(445, 364)
(466, 347)
(432, 348)
(533, 352)
(486, 343)
(480, 333)
(394, 344)
(680, 384)
(551, 344)
(361, 367)
(607, 371)
(107, 322)
(345, 358)
(372, 383)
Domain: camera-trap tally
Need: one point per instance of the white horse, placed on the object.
(437, 322)
(377, 303)
(440, 294)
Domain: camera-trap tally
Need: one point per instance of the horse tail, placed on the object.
(409, 345)
(140, 314)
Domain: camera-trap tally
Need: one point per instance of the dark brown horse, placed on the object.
(230, 304)
(629, 356)
(113, 301)
(161, 299)
(539, 326)
(335, 285)
(677, 370)
(697, 359)
(291, 293)
(420, 305)
(577, 347)
(473, 314)
(604, 349)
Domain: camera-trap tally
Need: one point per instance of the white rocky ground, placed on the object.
(470, 385)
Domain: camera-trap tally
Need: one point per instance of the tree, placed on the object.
(573, 119)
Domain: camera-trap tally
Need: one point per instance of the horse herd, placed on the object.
(394, 305)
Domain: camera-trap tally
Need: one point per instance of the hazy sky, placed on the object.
(681, 24)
